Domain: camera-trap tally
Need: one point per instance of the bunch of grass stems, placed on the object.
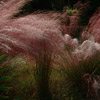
(42, 70)
(82, 76)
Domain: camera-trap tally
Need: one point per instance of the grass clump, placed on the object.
(83, 79)
(53, 75)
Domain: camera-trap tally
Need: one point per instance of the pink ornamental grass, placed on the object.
(18, 35)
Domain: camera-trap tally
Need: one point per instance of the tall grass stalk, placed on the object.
(42, 70)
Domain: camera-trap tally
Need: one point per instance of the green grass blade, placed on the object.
(4, 78)
(3, 97)
(4, 88)
(3, 68)
(1, 57)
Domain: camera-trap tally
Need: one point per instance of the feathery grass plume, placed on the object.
(82, 77)
(17, 35)
(8, 8)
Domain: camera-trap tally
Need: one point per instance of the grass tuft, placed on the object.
(83, 78)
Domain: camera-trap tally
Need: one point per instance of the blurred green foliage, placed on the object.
(3, 89)
(71, 11)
